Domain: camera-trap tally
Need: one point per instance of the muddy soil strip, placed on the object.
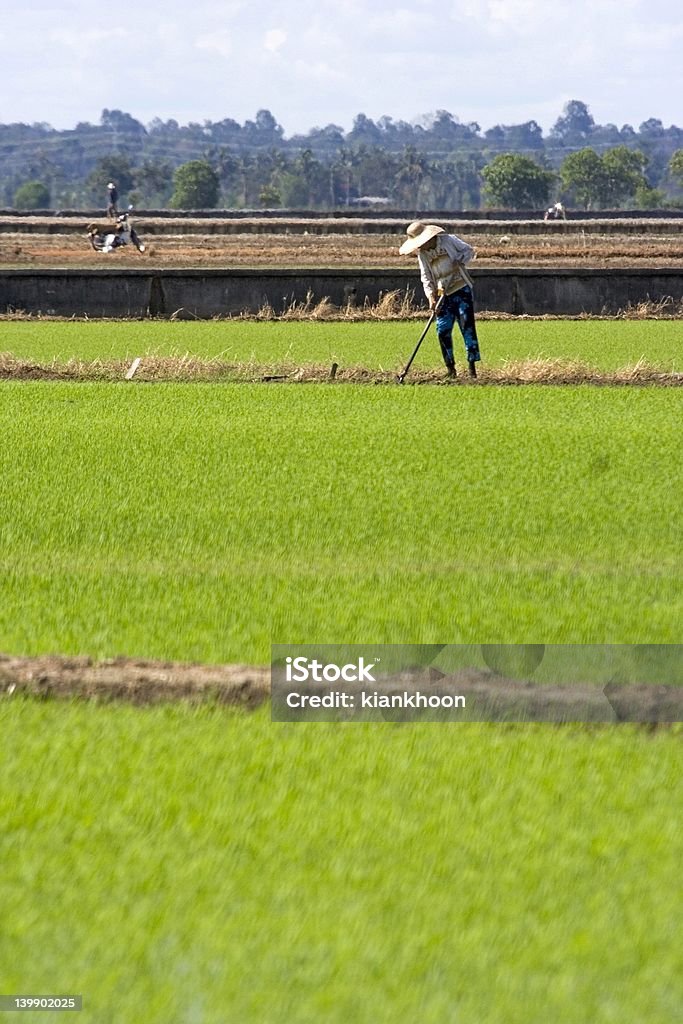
(135, 681)
(497, 699)
(188, 369)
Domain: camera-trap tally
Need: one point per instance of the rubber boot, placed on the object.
(450, 370)
(472, 366)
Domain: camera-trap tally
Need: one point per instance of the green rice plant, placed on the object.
(206, 522)
(604, 344)
(183, 865)
(180, 864)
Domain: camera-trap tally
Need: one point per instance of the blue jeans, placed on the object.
(457, 306)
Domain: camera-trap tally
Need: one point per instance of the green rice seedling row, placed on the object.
(603, 344)
(173, 864)
(205, 522)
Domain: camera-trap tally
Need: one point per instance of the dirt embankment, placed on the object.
(498, 699)
(136, 681)
(192, 369)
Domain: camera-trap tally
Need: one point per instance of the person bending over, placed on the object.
(442, 259)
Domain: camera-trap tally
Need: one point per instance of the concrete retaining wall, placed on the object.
(207, 293)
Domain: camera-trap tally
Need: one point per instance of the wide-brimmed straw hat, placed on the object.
(419, 233)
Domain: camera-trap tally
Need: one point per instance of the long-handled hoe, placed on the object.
(402, 376)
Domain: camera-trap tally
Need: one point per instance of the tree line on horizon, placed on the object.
(439, 164)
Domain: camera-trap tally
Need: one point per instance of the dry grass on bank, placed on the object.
(192, 369)
(392, 306)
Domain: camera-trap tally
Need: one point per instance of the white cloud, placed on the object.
(521, 17)
(409, 25)
(224, 10)
(274, 39)
(516, 14)
(83, 39)
(317, 38)
(317, 69)
(216, 42)
(656, 37)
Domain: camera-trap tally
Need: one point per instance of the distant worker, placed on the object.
(442, 259)
(104, 240)
(125, 233)
(112, 199)
(555, 212)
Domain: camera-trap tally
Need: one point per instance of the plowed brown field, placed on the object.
(568, 249)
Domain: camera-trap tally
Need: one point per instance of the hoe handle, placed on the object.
(429, 323)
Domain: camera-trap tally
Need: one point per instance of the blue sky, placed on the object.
(314, 62)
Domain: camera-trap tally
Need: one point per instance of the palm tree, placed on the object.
(410, 176)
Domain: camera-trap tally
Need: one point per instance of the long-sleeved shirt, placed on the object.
(445, 265)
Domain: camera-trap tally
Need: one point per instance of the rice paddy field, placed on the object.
(606, 344)
(196, 864)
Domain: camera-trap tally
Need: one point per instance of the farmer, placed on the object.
(556, 212)
(448, 287)
(112, 199)
(104, 240)
(125, 233)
